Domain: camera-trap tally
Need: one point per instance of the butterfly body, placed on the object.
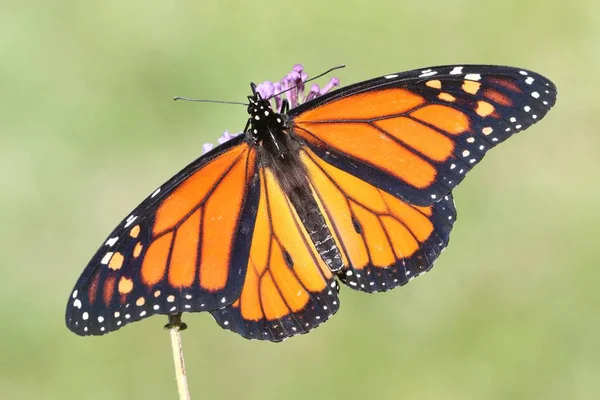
(353, 186)
(278, 151)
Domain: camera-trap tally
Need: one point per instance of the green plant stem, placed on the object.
(175, 327)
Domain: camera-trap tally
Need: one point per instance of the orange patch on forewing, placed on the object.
(116, 261)
(443, 117)
(379, 246)
(507, 84)
(137, 250)
(193, 191)
(434, 83)
(446, 97)
(497, 97)
(140, 302)
(221, 215)
(272, 303)
(371, 146)
(293, 237)
(363, 106)
(182, 269)
(155, 260)
(135, 231)
(125, 285)
(294, 295)
(425, 140)
(403, 242)
(250, 297)
(93, 288)
(109, 289)
(471, 87)
(336, 206)
(484, 108)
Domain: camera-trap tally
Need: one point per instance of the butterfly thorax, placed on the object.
(265, 126)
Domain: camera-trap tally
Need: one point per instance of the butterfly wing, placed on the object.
(416, 134)
(183, 249)
(384, 241)
(288, 288)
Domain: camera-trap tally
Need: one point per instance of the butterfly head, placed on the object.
(262, 116)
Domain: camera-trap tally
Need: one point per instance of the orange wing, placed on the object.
(384, 241)
(416, 134)
(288, 288)
(183, 249)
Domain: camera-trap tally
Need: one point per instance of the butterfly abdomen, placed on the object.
(316, 226)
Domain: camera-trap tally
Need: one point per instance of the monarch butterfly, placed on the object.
(351, 186)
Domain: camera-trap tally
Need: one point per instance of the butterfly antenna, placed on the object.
(208, 101)
(311, 79)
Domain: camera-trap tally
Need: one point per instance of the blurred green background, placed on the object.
(88, 129)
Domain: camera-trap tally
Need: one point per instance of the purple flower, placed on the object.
(296, 96)
(295, 80)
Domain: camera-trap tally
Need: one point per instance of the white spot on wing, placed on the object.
(130, 220)
(427, 72)
(106, 258)
(392, 76)
(473, 77)
(157, 191)
(456, 71)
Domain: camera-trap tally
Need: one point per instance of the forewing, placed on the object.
(416, 134)
(185, 248)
